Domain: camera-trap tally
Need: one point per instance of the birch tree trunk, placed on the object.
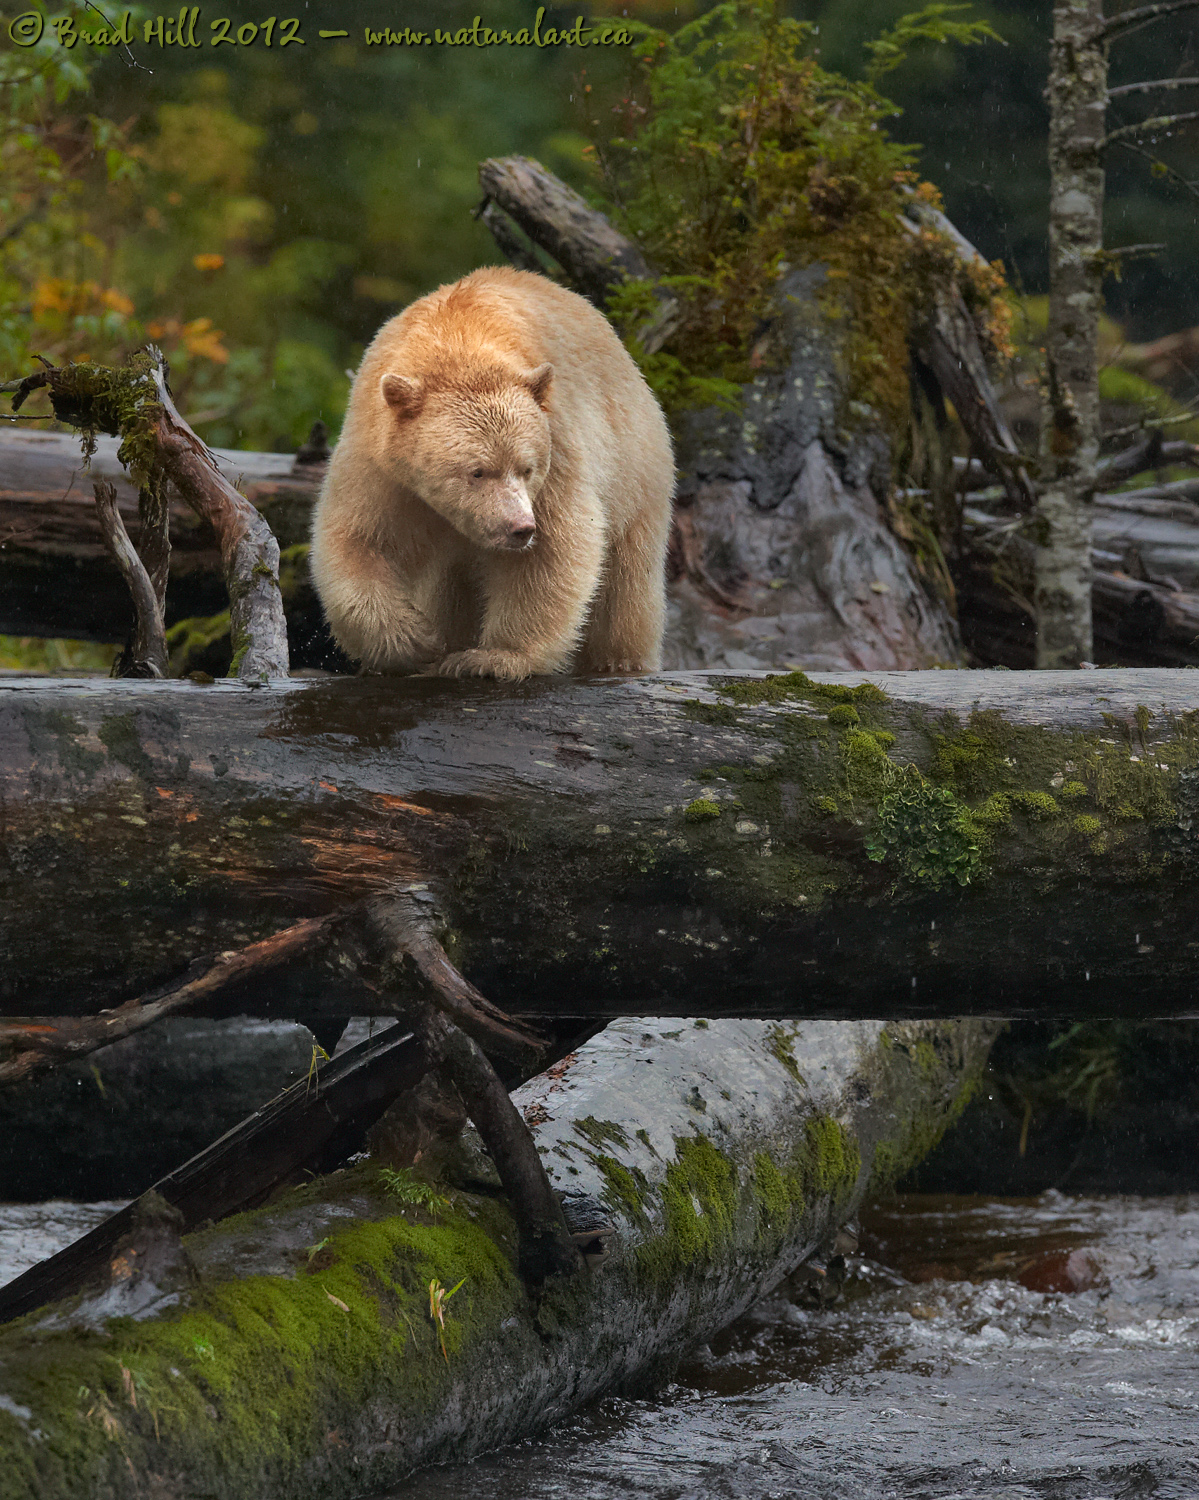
(1070, 431)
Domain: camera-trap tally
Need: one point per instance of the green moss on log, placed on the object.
(937, 805)
(238, 1382)
(122, 402)
(949, 1068)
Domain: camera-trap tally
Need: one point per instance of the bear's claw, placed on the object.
(479, 662)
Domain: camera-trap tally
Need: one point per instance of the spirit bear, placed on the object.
(499, 500)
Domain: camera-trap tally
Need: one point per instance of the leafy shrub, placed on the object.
(740, 157)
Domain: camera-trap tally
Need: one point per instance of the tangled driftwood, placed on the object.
(159, 448)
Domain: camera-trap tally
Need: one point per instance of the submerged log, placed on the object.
(686, 844)
(291, 1352)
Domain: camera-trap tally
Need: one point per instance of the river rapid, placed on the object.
(1000, 1348)
(995, 1348)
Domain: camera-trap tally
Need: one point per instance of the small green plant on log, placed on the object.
(438, 1297)
(411, 1192)
(739, 157)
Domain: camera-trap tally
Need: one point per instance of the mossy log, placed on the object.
(690, 844)
(290, 1352)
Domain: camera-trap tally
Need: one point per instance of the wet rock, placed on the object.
(1063, 1271)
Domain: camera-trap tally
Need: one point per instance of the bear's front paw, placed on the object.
(509, 665)
(616, 667)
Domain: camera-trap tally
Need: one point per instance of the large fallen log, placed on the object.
(685, 844)
(325, 1344)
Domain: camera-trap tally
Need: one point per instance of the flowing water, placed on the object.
(1000, 1348)
(1042, 1347)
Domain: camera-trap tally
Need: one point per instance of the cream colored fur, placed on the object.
(499, 499)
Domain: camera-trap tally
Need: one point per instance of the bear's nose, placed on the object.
(521, 537)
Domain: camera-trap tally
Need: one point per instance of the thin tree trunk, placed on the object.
(1070, 431)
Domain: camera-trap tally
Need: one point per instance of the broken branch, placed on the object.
(158, 445)
(1142, 15)
(1158, 83)
(148, 655)
(308, 1126)
(37, 1045)
(1153, 126)
(546, 1246)
(405, 923)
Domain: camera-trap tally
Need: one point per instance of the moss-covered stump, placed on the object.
(925, 843)
(302, 1360)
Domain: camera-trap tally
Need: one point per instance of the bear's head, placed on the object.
(475, 449)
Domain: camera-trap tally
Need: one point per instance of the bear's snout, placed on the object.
(521, 537)
(512, 524)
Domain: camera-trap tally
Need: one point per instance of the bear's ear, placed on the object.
(538, 383)
(402, 394)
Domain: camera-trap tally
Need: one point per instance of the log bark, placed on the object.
(592, 252)
(591, 847)
(945, 342)
(294, 1354)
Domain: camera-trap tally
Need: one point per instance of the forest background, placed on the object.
(261, 212)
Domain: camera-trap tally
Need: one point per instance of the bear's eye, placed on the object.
(526, 472)
(476, 473)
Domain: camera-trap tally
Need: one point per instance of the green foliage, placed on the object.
(780, 687)
(1089, 1069)
(702, 810)
(740, 156)
(60, 658)
(256, 213)
(928, 833)
(411, 1192)
(932, 24)
(57, 296)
